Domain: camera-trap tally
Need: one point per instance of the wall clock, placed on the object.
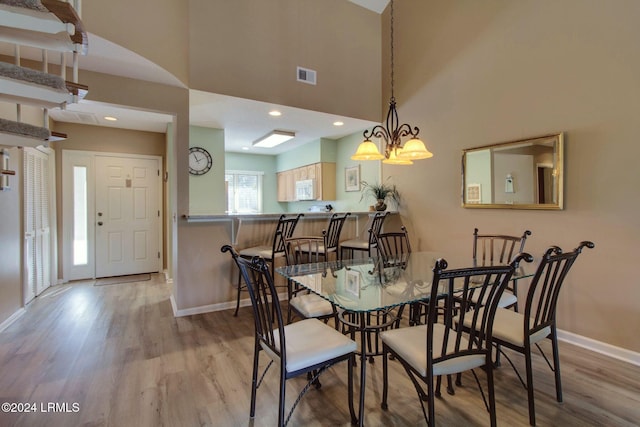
(200, 161)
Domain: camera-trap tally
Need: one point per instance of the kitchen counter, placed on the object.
(237, 220)
(212, 275)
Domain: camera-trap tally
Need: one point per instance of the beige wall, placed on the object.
(250, 49)
(10, 236)
(468, 73)
(156, 30)
(473, 73)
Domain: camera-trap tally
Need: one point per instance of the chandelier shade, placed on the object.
(367, 150)
(414, 149)
(392, 133)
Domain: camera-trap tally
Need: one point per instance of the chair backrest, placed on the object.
(303, 249)
(542, 299)
(331, 234)
(394, 247)
(285, 228)
(376, 226)
(496, 248)
(264, 300)
(484, 282)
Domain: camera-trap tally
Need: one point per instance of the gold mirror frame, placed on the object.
(523, 174)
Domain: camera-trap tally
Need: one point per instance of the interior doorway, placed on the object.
(112, 214)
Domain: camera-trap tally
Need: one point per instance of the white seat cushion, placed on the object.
(311, 305)
(260, 251)
(509, 326)
(507, 299)
(310, 342)
(358, 244)
(411, 345)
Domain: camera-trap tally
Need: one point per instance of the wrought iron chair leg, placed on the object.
(281, 419)
(254, 380)
(556, 363)
(530, 395)
(385, 378)
(352, 411)
(239, 290)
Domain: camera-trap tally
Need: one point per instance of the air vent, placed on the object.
(306, 75)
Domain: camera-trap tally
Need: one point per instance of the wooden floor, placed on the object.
(115, 356)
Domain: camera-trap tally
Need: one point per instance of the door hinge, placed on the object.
(158, 213)
(158, 172)
(158, 255)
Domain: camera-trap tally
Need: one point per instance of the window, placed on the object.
(80, 242)
(244, 191)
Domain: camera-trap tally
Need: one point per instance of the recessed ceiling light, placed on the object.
(338, 123)
(111, 119)
(273, 138)
(245, 148)
(275, 113)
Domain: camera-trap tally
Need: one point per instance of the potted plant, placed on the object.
(381, 192)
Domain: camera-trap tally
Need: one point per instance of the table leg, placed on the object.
(363, 366)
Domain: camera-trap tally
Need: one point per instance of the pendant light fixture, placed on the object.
(392, 133)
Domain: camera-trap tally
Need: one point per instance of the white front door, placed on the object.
(127, 215)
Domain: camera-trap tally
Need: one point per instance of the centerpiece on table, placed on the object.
(381, 192)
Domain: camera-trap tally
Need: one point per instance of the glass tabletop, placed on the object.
(366, 285)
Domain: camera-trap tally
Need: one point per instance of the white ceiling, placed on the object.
(377, 6)
(243, 120)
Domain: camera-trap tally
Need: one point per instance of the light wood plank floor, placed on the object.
(118, 353)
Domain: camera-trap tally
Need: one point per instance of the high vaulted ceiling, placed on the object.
(243, 120)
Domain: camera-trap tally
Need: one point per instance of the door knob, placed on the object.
(99, 222)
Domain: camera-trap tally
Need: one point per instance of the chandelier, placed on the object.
(392, 133)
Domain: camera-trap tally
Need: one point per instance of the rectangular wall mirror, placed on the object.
(524, 174)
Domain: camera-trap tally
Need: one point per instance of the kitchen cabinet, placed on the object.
(323, 173)
(286, 186)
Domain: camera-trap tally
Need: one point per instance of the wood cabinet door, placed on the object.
(282, 187)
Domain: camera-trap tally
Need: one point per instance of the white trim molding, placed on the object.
(600, 347)
(15, 316)
(213, 307)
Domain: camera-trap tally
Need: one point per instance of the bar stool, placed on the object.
(361, 244)
(285, 228)
(331, 236)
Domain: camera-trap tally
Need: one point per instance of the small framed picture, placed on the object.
(352, 178)
(352, 283)
(474, 194)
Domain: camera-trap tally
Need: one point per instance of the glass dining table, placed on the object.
(359, 287)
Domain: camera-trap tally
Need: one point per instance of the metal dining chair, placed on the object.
(305, 347)
(491, 249)
(284, 229)
(435, 349)
(520, 331)
(365, 245)
(394, 249)
(303, 302)
(331, 236)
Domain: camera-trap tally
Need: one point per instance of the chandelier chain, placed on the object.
(392, 132)
(393, 98)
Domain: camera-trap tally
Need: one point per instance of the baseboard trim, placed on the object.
(213, 307)
(600, 347)
(167, 278)
(15, 316)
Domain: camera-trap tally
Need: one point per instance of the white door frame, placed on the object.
(71, 158)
